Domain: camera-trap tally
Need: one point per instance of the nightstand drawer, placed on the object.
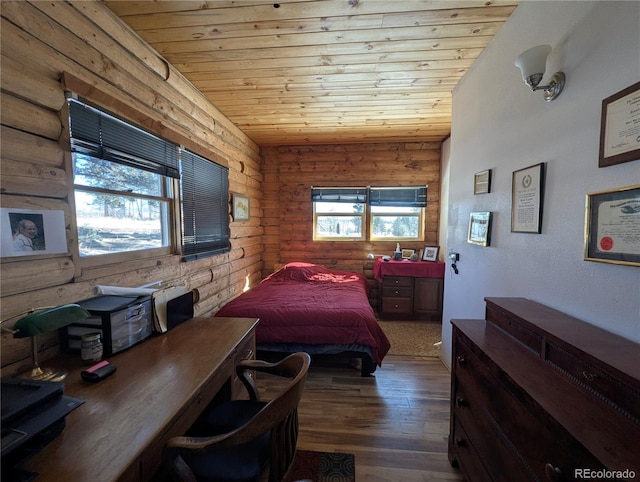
(397, 281)
(397, 292)
(396, 305)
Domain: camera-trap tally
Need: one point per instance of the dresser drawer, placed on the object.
(465, 454)
(595, 380)
(397, 281)
(396, 305)
(396, 292)
(500, 414)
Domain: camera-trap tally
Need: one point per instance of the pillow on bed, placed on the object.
(311, 272)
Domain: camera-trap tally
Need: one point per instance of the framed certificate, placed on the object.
(527, 187)
(620, 127)
(612, 226)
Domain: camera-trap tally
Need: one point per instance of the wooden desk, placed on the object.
(158, 391)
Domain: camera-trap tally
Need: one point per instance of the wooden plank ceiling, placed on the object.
(323, 71)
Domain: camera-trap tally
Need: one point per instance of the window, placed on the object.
(205, 207)
(339, 213)
(397, 213)
(393, 213)
(126, 185)
(122, 183)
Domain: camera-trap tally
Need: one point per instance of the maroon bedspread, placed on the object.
(311, 304)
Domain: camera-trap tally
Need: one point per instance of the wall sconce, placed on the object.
(42, 321)
(532, 63)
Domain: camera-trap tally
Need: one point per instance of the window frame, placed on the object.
(421, 225)
(168, 193)
(368, 216)
(172, 194)
(339, 195)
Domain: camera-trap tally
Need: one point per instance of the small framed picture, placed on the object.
(430, 253)
(482, 182)
(407, 253)
(480, 228)
(240, 207)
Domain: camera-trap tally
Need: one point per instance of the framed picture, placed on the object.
(619, 121)
(407, 253)
(240, 207)
(480, 228)
(527, 186)
(482, 182)
(27, 232)
(612, 226)
(430, 253)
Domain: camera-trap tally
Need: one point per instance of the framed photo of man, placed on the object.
(28, 232)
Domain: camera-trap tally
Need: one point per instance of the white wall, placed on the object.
(499, 124)
(444, 198)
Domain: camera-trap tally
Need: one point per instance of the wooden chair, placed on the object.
(244, 440)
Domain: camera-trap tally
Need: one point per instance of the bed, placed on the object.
(309, 307)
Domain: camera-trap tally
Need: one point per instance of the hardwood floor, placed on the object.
(395, 423)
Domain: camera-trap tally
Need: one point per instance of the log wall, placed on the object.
(82, 46)
(47, 47)
(291, 171)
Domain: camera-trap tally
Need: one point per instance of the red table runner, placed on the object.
(415, 269)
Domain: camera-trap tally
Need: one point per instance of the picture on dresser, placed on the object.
(430, 253)
(407, 253)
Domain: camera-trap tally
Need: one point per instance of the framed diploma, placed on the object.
(620, 127)
(612, 226)
(527, 187)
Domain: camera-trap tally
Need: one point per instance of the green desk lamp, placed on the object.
(43, 321)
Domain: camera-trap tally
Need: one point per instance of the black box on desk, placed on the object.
(122, 322)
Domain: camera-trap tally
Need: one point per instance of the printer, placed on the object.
(32, 414)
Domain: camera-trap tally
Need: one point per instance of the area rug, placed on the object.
(322, 467)
(413, 338)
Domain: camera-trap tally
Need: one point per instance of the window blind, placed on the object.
(339, 194)
(405, 196)
(99, 134)
(205, 206)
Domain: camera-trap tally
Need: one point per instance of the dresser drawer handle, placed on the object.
(396, 292)
(589, 376)
(552, 473)
(460, 442)
(461, 402)
(461, 361)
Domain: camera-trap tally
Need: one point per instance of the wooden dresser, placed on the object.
(539, 395)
